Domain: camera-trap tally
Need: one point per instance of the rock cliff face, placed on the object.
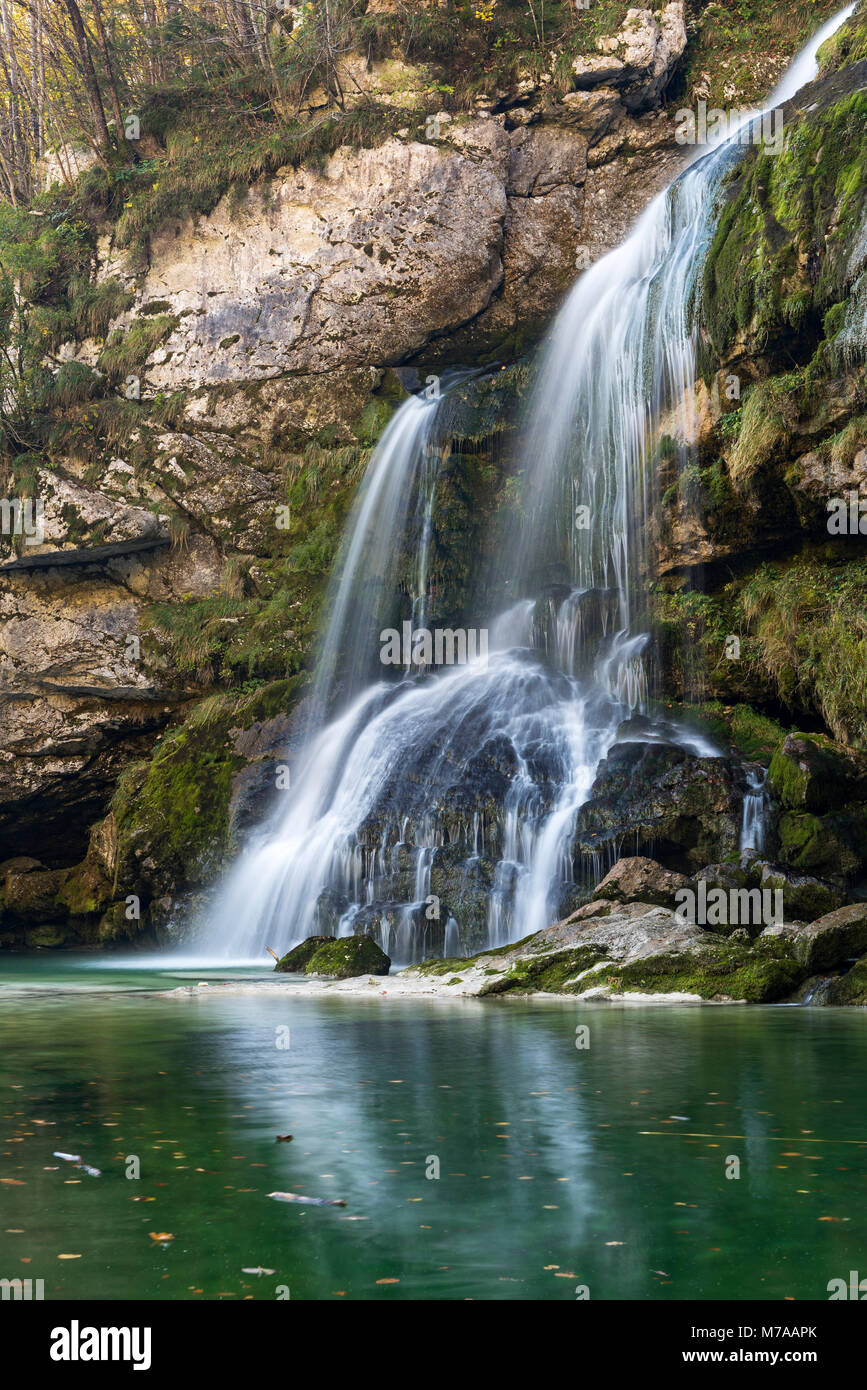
(416, 249)
(154, 644)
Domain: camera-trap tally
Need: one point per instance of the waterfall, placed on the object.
(757, 803)
(396, 495)
(436, 810)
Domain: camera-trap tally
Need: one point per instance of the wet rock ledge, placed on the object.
(632, 943)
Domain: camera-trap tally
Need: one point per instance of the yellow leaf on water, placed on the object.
(69, 1257)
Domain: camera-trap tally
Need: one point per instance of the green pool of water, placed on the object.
(559, 1167)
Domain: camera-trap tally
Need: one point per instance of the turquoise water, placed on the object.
(559, 1167)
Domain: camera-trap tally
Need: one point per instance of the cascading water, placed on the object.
(757, 803)
(437, 811)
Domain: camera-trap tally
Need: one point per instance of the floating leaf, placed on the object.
(309, 1201)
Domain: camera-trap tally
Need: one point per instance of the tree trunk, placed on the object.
(19, 150)
(91, 87)
(109, 72)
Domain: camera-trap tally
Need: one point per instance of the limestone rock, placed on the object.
(637, 951)
(542, 157)
(641, 880)
(362, 263)
(640, 59)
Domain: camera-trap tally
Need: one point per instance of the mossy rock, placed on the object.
(804, 897)
(811, 772)
(30, 895)
(787, 212)
(339, 958)
(295, 961)
(553, 973)
(761, 973)
(755, 735)
(833, 940)
(86, 891)
(834, 846)
(115, 925)
(851, 988)
(49, 935)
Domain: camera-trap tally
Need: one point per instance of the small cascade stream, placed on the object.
(757, 804)
(436, 809)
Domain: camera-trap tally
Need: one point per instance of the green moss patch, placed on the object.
(760, 974)
(552, 973)
(787, 212)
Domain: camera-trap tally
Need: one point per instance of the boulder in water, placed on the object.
(850, 988)
(831, 940)
(340, 958)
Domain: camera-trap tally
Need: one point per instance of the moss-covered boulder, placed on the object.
(637, 950)
(339, 958)
(50, 936)
(834, 846)
(760, 973)
(804, 898)
(29, 893)
(850, 988)
(555, 972)
(295, 961)
(830, 941)
(810, 772)
(823, 787)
